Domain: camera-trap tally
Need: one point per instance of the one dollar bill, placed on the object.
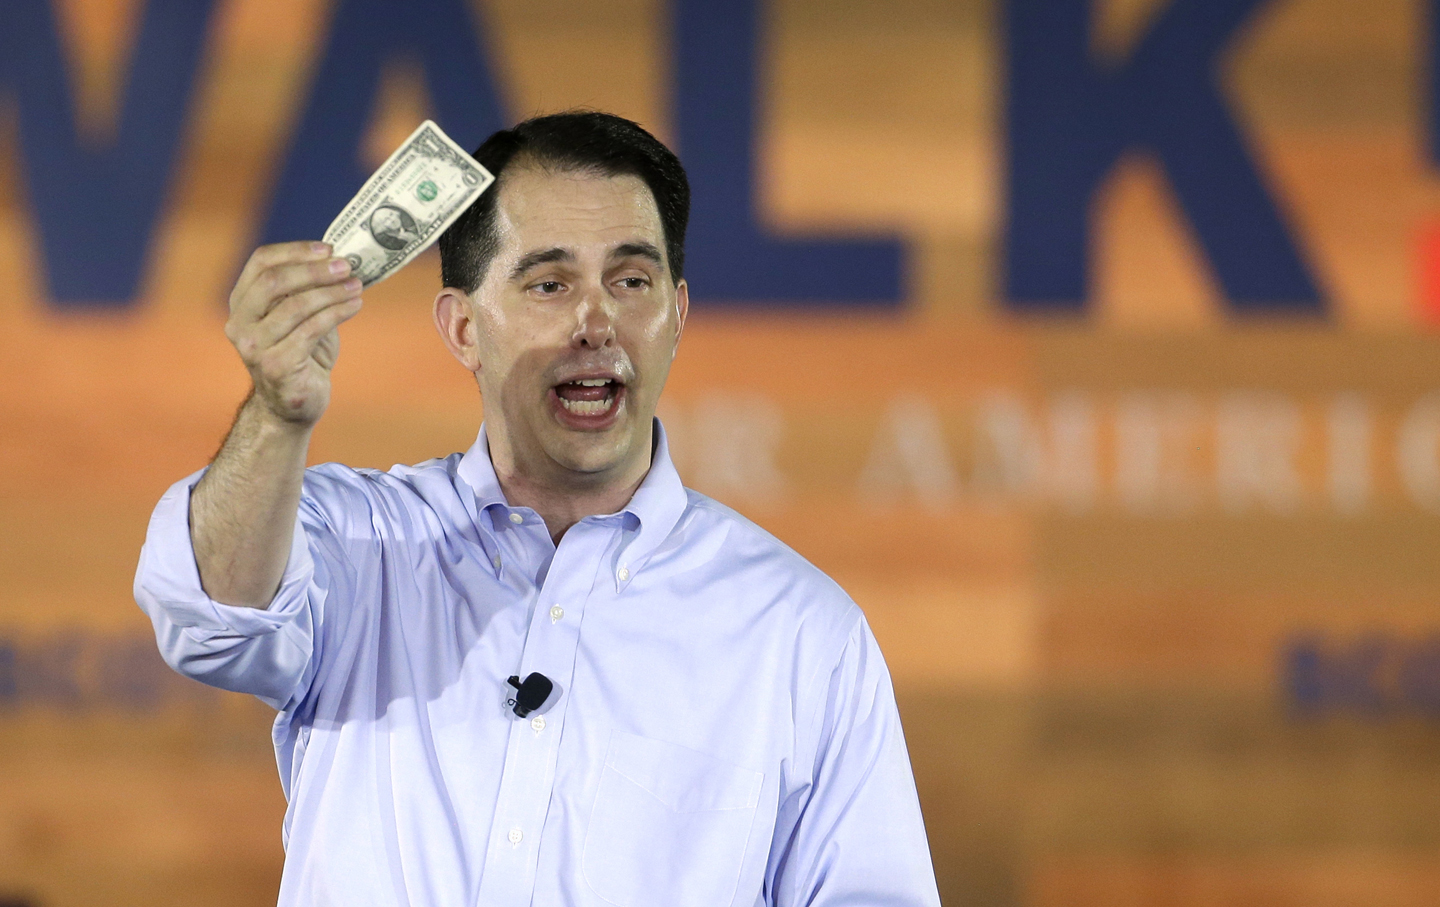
(405, 205)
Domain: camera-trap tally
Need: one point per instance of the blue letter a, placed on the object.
(323, 170)
(96, 208)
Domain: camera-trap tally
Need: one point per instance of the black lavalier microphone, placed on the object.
(531, 694)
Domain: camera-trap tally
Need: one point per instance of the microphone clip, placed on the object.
(529, 694)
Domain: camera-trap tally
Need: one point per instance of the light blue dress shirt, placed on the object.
(722, 729)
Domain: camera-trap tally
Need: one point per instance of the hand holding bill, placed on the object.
(284, 312)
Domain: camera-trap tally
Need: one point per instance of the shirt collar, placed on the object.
(657, 504)
(478, 472)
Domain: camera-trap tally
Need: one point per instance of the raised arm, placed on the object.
(284, 312)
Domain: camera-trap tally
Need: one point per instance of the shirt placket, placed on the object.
(528, 777)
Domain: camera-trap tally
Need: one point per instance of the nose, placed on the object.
(594, 321)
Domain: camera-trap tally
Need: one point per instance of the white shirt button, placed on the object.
(538, 723)
(556, 614)
(497, 562)
(516, 518)
(515, 835)
(623, 573)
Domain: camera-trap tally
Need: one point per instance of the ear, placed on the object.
(682, 308)
(454, 319)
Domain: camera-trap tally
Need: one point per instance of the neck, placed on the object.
(563, 501)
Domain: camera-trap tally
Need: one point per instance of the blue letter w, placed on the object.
(96, 208)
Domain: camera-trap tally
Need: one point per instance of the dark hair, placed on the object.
(579, 140)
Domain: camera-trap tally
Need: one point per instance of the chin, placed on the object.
(586, 451)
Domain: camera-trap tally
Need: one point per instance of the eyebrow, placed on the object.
(541, 257)
(550, 256)
(638, 249)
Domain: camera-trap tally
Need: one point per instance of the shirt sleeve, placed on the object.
(266, 652)
(856, 835)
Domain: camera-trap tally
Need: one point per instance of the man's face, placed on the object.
(385, 220)
(576, 323)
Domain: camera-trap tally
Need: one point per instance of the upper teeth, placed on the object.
(591, 382)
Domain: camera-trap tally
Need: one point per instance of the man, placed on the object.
(393, 228)
(722, 728)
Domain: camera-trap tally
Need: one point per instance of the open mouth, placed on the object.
(590, 399)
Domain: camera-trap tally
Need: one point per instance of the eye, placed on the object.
(634, 283)
(549, 287)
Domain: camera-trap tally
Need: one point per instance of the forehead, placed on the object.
(538, 207)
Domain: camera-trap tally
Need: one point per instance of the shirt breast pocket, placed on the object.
(670, 825)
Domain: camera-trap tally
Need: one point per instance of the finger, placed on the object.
(275, 283)
(300, 343)
(277, 254)
(294, 310)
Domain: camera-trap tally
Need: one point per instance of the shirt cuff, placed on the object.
(169, 580)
